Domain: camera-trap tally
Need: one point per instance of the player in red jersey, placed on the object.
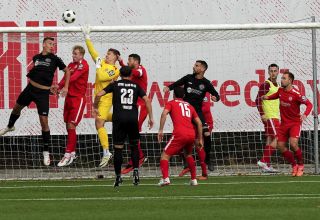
(139, 76)
(183, 135)
(291, 120)
(75, 101)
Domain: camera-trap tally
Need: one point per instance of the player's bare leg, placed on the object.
(270, 148)
(118, 159)
(46, 139)
(70, 154)
(104, 141)
(298, 154)
(15, 114)
(288, 156)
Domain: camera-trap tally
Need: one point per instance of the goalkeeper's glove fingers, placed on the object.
(86, 31)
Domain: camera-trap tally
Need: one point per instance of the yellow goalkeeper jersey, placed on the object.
(271, 107)
(105, 73)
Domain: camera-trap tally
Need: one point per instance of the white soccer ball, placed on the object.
(69, 16)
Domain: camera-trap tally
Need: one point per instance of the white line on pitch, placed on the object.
(154, 184)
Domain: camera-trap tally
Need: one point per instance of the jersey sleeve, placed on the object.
(213, 91)
(303, 100)
(94, 54)
(109, 88)
(263, 90)
(60, 64)
(137, 73)
(140, 91)
(179, 82)
(274, 95)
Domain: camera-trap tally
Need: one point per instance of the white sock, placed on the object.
(106, 152)
(67, 155)
(73, 153)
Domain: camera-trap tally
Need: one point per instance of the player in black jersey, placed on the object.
(195, 87)
(125, 119)
(38, 90)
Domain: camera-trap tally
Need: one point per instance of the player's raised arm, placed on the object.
(94, 54)
(177, 83)
(215, 95)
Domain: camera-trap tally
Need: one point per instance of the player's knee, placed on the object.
(165, 156)
(118, 146)
(71, 125)
(206, 134)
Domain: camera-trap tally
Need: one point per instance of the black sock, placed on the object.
(207, 147)
(135, 156)
(46, 140)
(13, 118)
(117, 161)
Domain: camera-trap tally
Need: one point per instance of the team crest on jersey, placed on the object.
(189, 90)
(201, 87)
(290, 98)
(205, 99)
(48, 60)
(36, 63)
(80, 66)
(111, 72)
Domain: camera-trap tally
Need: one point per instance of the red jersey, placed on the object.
(290, 102)
(78, 79)
(139, 76)
(181, 113)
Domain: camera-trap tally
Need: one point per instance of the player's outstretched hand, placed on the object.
(54, 89)
(63, 92)
(86, 31)
(199, 143)
(264, 97)
(160, 136)
(166, 89)
(214, 99)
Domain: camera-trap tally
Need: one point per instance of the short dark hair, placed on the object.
(125, 71)
(80, 48)
(291, 76)
(273, 65)
(47, 38)
(203, 63)
(178, 92)
(114, 51)
(135, 57)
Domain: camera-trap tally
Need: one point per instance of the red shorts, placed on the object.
(271, 127)
(73, 109)
(287, 130)
(209, 120)
(179, 142)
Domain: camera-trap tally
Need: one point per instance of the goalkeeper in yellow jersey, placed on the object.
(106, 72)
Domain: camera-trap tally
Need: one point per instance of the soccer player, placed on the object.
(38, 90)
(195, 87)
(291, 120)
(106, 72)
(139, 76)
(183, 137)
(269, 112)
(75, 101)
(125, 120)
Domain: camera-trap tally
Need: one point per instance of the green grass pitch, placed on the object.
(233, 197)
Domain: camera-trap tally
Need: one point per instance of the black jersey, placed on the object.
(124, 100)
(195, 90)
(44, 67)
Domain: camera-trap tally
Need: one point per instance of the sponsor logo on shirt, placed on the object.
(195, 91)
(48, 60)
(41, 63)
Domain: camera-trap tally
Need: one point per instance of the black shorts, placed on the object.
(36, 95)
(122, 130)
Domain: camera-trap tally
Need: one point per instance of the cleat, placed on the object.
(136, 179)
(164, 182)
(6, 130)
(117, 182)
(264, 167)
(142, 160)
(64, 161)
(105, 160)
(193, 182)
(184, 171)
(295, 170)
(202, 177)
(272, 170)
(300, 170)
(46, 158)
(72, 158)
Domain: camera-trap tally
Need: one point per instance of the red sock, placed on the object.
(71, 140)
(141, 155)
(202, 157)
(289, 157)
(298, 155)
(268, 151)
(192, 167)
(164, 166)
